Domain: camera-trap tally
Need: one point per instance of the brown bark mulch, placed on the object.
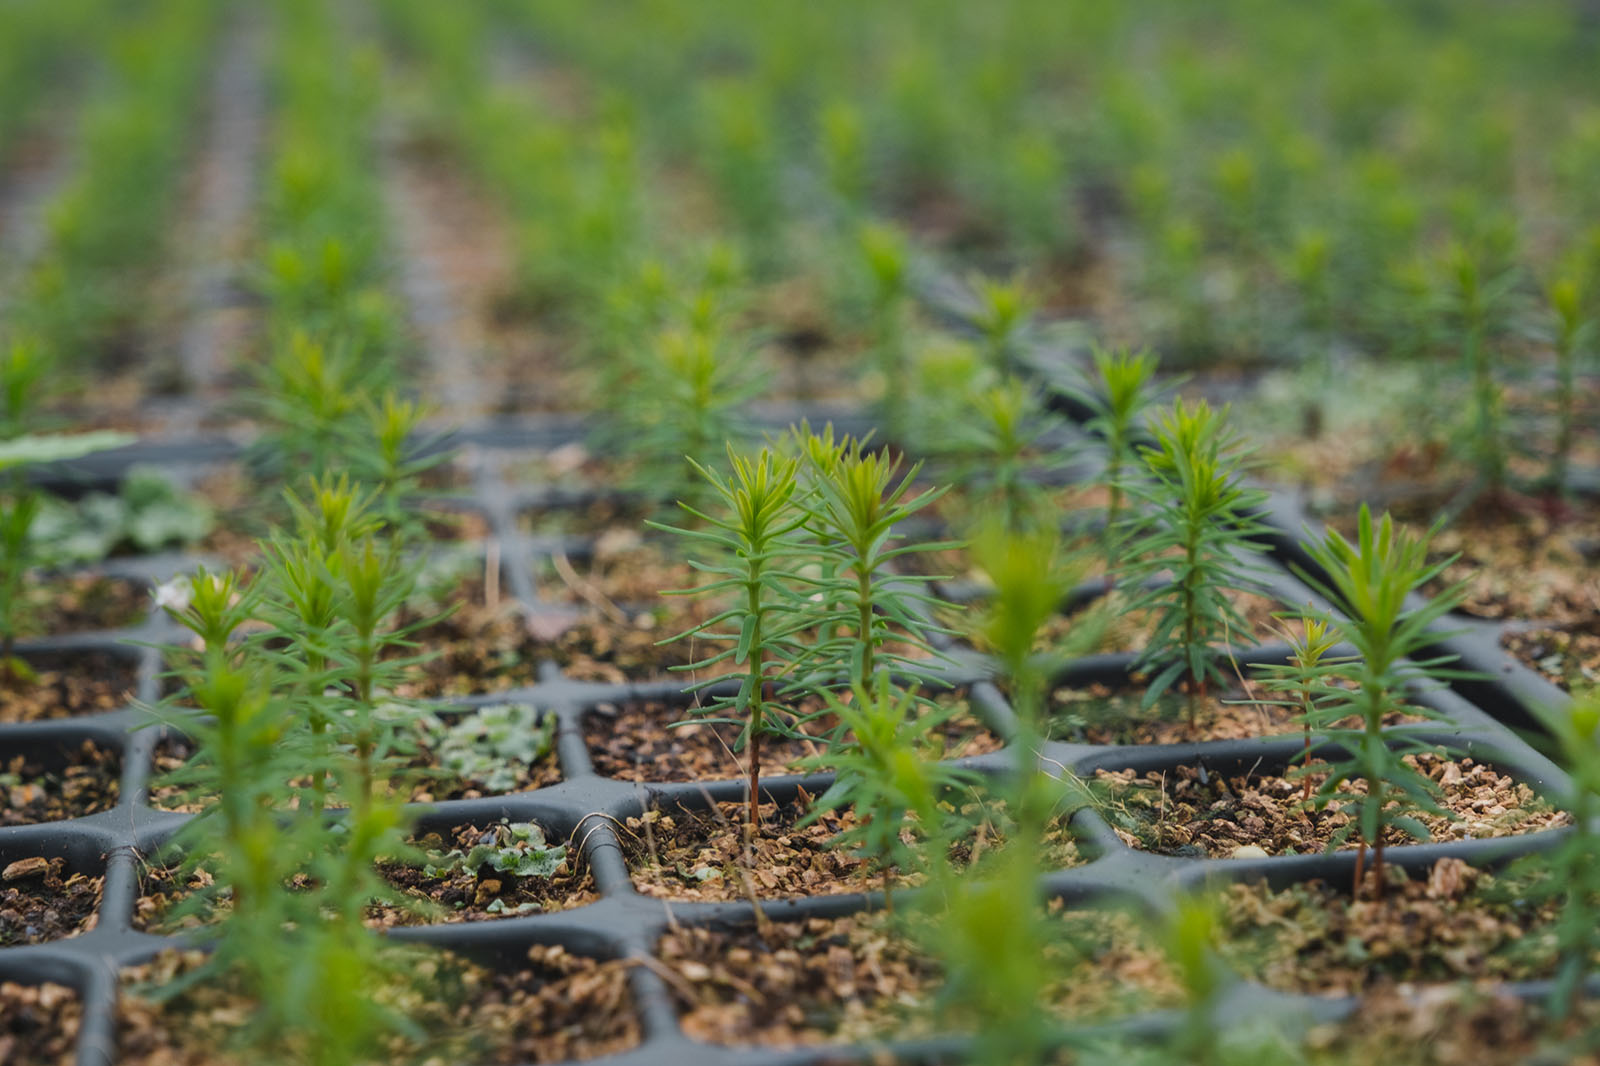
(38, 904)
(39, 1024)
(561, 1007)
(1451, 925)
(90, 782)
(1186, 811)
(68, 684)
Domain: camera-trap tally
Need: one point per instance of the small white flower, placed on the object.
(175, 595)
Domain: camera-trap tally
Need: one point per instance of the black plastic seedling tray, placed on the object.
(584, 805)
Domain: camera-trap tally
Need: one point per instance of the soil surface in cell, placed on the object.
(1099, 714)
(482, 646)
(559, 1008)
(1453, 923)
(1449, 1025)
(435, 771)
(456, 892)
(856, 979)
(640, 742)
(78, 603)
(68, 684)
(39, 1024)
(1567, 656)
(88, 782)
(1188, 811)
(40, 901)
(703, 855)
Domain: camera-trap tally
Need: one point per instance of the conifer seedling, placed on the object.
(1193, 537)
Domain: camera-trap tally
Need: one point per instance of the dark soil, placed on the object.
(90, 782)
(484, 646)
(466, 897)
(39, 1024)
(1185, 811)
(856, 979)
(702, 854)
(68, 684)
(81, 603)
(1568, 656)
(1452, 925)
(562, 1007)
(639, 742)
(38, 904)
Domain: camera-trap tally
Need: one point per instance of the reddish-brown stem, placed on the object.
(1361, 865)
(755, 783)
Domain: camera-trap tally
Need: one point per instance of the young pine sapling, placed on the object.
(1300, 679)
(1574, 335)
(1369, 581)
(1004, 308)
(1570, 872)
(857, 501)
(1121, 394)
(1475, 310)
(1195, 529)
(753, 527)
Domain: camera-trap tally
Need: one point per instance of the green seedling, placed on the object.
(989, 932)
(1574, 336)
(1121, 394)
(886, 770)
(1570, 872)
(1003, 312)
(1030, 577)
(1474, 303)
(1195, 530)
(886, 256)
(754, 526)
(1308, 268)
(20, 505)
(857, 501)
(1369, 581)
(1300, 679)
(491, 744)
(516, 849)
(1188, 935)
(843, 143)
(1000, 456)
(683, 400)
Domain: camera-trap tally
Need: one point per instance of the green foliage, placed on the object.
(1188, 934)
(21, 504)
(1570, 872)
(1194, 531)
(992, 938)
(517, 849)
(490, 743)
(1474, 303)
(754, 526)
(148, 514)
(856, 502)
(1369, 582)
(1002, 315)
(887, 769)
(1300, 679)
(1575, 328)
(1121, 393)
(886, 258)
